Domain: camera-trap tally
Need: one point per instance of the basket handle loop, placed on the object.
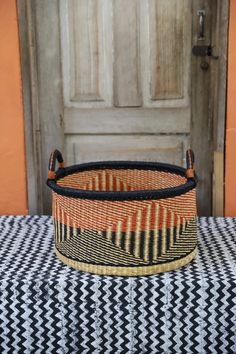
(190, 172)
(55, 155)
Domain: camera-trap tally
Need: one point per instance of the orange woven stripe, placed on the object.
(128, 216)
(99, 215)
(135, 179)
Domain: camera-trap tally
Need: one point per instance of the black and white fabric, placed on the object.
(47, 307)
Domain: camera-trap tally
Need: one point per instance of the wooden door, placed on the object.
(126, 79)
(116, 79)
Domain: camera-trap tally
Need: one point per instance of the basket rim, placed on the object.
(122, 195)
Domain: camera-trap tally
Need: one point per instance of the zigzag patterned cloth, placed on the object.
(47, 307)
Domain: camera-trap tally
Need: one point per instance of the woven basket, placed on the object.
(124, 218)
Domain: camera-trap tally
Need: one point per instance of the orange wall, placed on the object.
(13, 195)
(230, 163)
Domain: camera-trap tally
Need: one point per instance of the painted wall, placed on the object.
(230, 163)
(13, 195)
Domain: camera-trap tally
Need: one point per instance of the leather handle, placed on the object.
(190, 172)
(55, 156)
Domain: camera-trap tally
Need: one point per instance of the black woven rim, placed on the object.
(123, 195)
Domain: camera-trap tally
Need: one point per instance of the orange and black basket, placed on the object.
(124, 218)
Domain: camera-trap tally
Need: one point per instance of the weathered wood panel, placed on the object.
(85, 54)
(50, 103)
(218, 184)
(126, 53)
(86, 43)
(165, 42)
(127, 120)
(30, 100)
(166, 48)
(84, 148)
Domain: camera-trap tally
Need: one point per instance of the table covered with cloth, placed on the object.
(47, 307)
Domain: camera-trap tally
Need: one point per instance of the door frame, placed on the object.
(219, 106)
(37, 108)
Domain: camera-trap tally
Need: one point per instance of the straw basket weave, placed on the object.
(124, 218)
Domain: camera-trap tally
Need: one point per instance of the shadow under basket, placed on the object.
(124, 218)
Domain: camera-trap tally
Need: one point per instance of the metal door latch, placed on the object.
(203, 51)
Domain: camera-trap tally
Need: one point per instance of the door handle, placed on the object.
(201, 32)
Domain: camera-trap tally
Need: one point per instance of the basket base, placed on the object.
(127, 271)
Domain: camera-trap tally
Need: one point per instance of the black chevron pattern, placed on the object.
(47, 307)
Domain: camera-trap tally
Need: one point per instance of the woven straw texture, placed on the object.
(127, 237)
